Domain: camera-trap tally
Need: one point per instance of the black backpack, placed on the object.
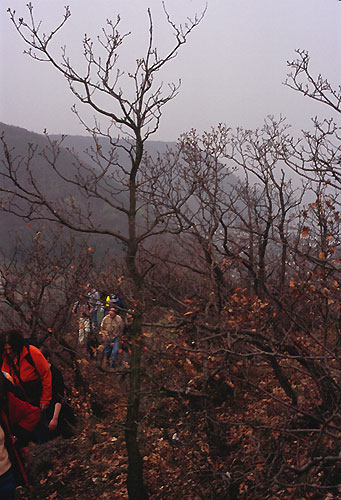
(30, 391)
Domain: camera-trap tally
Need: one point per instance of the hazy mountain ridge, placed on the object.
(19, 141)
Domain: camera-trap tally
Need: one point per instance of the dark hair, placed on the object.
(14, 338)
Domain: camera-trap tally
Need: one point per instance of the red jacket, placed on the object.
(28, 373)
(19, 419)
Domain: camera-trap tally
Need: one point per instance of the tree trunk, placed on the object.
(136, 488)
(135, 484)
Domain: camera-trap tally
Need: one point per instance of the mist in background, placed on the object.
(232, 68)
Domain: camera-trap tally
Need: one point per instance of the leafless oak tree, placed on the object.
(318, 157)
(132, 103)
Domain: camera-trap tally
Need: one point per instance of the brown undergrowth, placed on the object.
(93, 463)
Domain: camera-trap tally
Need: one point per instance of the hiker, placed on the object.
(94, 300)
(111, 331)
(59, 412)
(27, 367)
(113, 300)
(17, 418)
(83, 309)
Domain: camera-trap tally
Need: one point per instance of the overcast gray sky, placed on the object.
(232, 67)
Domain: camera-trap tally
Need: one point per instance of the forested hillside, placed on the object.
(23, 144)
(240, 369)
(227, 381)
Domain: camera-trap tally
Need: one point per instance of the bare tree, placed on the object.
(132, 103)
(318, 156)
(282, 328)
(235, 220)
(317, 87)
(41, 280)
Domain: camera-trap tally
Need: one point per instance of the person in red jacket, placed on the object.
(17, 421)
(28, 368)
